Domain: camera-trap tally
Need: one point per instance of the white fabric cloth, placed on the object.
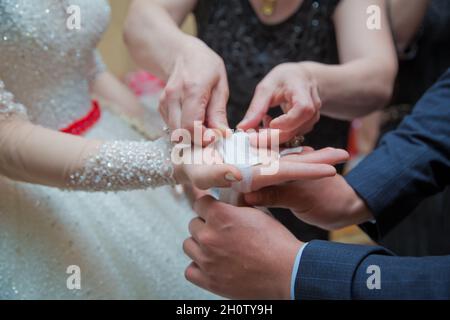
(237, 150)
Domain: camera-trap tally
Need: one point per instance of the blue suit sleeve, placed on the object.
(411, 163)
(336, 271)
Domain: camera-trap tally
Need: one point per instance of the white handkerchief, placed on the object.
(237, 150)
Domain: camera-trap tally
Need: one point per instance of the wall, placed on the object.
(112, 46)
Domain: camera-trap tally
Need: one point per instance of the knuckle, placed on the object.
(221, 64)
(206, 263)
(226, 92)
(192, 87)
(186, 245)
(169, 91)
(319, 105)
(188, 273)
(273, 195)
(309, 110)
(162, 107)
(189, 125)
(162, 99)
(261, 87)
(205, 238)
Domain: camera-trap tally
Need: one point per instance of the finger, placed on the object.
(302, 110)
(259, 106)
(266, 138)
(309, 125)
(171, 103)
(193, 251)
(316, 97)
(203, 206)
(326, 156)
(194, 275)
(193, 193)
(216, 112)
(214, 176)
(174, 113)
(196, 226)
(286, 136)
(266, 121)
(163, 108)
(270, 197)
(194, 105)
(291, 171)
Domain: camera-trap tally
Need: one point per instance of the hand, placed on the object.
(328, 203)
(291, 86)
(239, 253)
(306, 166)
(197, 89)
(214, 173)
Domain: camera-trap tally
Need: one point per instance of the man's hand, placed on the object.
(197, 89)
(239, 253)
(292, 87)
(329, 203)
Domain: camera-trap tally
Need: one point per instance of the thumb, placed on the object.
(267, 197)
(259, 106)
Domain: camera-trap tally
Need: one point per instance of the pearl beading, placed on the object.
(7, 104)
(125, 165)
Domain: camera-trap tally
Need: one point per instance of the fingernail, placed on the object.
(230, 177)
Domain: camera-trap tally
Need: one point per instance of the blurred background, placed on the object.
(112, 46)
(116, 56)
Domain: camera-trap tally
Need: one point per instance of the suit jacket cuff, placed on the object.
(327, 270)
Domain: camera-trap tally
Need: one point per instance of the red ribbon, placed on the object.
(81, 126)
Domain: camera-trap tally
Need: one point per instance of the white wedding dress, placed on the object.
(127, 244)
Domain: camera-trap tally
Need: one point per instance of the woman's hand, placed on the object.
(197, 88)
(309, 165)
(292, 87)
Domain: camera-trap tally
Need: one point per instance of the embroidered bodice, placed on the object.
(46, 66)
(46, 61)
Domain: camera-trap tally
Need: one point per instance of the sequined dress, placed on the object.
(251, 48)
(126, 244)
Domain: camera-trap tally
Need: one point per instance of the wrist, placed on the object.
(180, 42)
(290, 273)
(357, 208)
(308, 69)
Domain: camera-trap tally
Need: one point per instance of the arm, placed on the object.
(196, 81)
(363, 81)
(104, 85)
(406, 20)
(368, 64)
(338, 271)
(411, 163)
(34, 154)
(153, 35)
(108, 88)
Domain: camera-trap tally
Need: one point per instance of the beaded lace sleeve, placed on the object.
(7, 104)
(125, 165)
(34, 154)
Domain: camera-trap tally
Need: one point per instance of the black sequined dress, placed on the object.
(250, 49)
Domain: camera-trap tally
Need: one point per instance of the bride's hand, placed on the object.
(203, 174)
(309, 165)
